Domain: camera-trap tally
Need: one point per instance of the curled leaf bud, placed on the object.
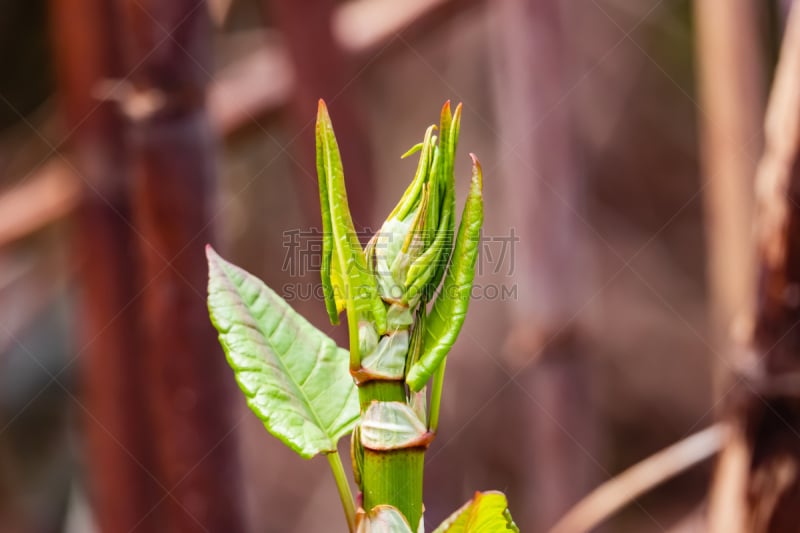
(413, 245)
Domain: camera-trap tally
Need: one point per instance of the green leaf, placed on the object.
(388, 359)
(487, 512)
(424, 269)
(450, 125)
(345, 276)
(410, 198)
(331, 280)
(450, 308)
(294, 377)
(413, 150)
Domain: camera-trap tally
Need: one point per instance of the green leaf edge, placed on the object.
(448, 312)
(341, 250)
(347, 426)
(473, 506)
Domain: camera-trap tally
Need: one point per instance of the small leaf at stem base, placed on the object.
(487, 512)
(382, 519)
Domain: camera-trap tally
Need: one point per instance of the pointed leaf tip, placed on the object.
(413, 150)
(446, 108)
(450, 307)
(477, 170)
(346, 280)
(212, 257)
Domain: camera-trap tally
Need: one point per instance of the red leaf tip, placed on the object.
(477, 171)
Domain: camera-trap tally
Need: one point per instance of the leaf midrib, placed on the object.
(325, 430)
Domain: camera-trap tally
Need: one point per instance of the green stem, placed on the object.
(388, 477)
(436, 396)
(344, 489)
(394, 477)
(382, 391)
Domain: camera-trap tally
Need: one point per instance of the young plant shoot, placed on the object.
(309, 392)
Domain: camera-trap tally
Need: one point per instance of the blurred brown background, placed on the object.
(132, 132)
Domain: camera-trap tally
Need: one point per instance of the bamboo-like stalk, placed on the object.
(732, 94)
(756, 487)
(173, 152)
(323, 70)
(533, 59)
(636, 480)
(381, 391)
(118, 429)
(232, 101)
(392, 476)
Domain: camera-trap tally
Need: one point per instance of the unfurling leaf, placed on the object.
(450, 308)
(294, 377)
(391, 426)
(449, 126)
(345, 276)
(486, 512)
(382, 519)
(387, 360)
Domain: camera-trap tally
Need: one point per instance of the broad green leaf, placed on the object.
(450, 308)
(382, 519)
(487, 512)
(345, 276)
(294, 377)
